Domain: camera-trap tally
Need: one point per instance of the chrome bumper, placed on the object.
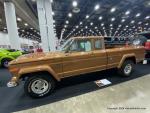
(12, 84)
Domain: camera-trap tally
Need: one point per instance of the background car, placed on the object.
(143, 39)
(6, 55)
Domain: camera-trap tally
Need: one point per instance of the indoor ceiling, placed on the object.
(26, 21)
(98, 17)
(84, 17)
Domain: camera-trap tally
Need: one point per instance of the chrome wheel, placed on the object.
(128, 69)
(40, 86)
(5, 63)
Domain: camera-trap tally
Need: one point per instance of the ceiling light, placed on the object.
(102, 24)
(65, 26)
(96, 7)
(91, 23)
(19, 19)
(53, 13)
(113, 10)
(77, 26)
(31, 28)
(100, 18)
(95, 27)
(80, 23)
(74, 3)
(138, 14)
(67, 22)
(127, 12)
(147, 17)
(132, 21)
(120, 25)
(112, 19)
(87, 16)
(111, 25)
(139, 22)
(26, 24)
(70, 14)
(123, 20)
(86, 27)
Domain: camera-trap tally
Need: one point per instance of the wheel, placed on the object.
(5, 62)
(38, 86)
(127, 68)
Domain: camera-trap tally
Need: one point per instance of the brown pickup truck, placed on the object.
(79, 55)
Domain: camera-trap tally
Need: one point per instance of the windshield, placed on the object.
(65, 46)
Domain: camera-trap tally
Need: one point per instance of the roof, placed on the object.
(112, 17)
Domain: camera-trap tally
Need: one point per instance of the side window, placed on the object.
(88, 46)
(98, 44)
(74, 46)
(81, 45)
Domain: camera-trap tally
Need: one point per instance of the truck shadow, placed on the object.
(71, 87)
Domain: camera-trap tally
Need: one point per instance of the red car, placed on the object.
(147, 46)
(143, 39)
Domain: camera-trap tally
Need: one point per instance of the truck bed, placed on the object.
(109, 46)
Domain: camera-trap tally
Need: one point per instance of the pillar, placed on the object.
(45, 17)
(11, 23)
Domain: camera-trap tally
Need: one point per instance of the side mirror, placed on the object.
(67, 50)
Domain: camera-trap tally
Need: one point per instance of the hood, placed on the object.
(36, 57)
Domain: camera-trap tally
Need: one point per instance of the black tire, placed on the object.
(5, 62)
(28, 86)
(123, 70)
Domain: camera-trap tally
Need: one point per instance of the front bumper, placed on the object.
(13, 82)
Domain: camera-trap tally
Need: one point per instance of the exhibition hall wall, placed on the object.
(5, 43)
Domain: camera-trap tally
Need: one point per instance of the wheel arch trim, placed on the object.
(126, 57)
(34, 69)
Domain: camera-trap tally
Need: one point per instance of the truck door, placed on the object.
(99, 53)
(79, 59)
